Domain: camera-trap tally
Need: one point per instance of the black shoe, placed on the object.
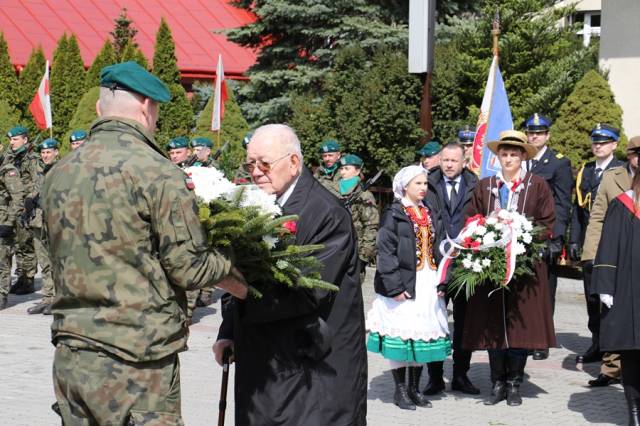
(463, 384)
(435, 386)
(498, 393)
(17, 285)
(27, 287)
(4, 302)
(633, 404)
(513, 393)
(38, 309)
(401, 397)
(540, 355)
(591, 355)
(56, 409)
(603, 380)
(414, 385)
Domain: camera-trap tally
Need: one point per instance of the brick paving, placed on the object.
(555, 391)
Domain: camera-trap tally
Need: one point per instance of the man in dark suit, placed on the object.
(604, 141)
(300, 353)
(453, 184)
(555, 168)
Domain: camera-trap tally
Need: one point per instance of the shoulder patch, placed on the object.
(559, 155)
(189, 183)
(12, 173)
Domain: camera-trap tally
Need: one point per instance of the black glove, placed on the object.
(6, 231)
(554, 248)
(575, 251)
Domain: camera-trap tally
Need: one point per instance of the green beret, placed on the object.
(430, 149)
(18, 131)
(48, 143)
(131, 77)
(201, 142)
(351, 160)
(329, 145)
(77, 135)
(179, 142)
(247, 139)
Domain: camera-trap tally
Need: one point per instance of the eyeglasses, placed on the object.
(263, 166)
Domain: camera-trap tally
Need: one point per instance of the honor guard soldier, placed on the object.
(555, 168)
(242, 176)
(361, 205)
(202, 151)
(604, 141)
(178, 149)
(48, 150)
(466, 136)
(77, 138)
(327, 174)
(430, 154)
(23, 157)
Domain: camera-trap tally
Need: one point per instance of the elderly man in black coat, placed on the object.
(453, 184)
(300, 353)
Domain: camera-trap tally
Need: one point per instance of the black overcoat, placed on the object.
(300, 354)
(615, 272)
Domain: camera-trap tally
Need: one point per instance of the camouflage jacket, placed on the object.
(35, 221)
(329, 181)
(366, 218)
(126, 243)
(28, 164)
(11, 195)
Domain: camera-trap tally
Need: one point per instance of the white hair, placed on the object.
(282, 136)
(118, 102)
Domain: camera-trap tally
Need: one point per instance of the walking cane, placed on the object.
(222, 405)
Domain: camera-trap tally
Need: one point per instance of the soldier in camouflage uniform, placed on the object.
(11, 208)
(327, 174)
(27, 163)
(179, 152)
(242, 176)
(362, 206)
(202, 151)
(125, 244)
(77, 139)
(49, 156)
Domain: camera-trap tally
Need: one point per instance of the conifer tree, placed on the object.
(9, 117)
(57, 84)
(591, 102)
(175, 117)
(165, 63)
(123, 34)
(8, 78)
(133, 53)
(67, 83)
(105, 57)
(84, 115)
(28, 83)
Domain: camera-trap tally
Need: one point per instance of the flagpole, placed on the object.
(218, 137)
(51, 132)
(495, 31)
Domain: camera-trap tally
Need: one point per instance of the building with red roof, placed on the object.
(194, 24)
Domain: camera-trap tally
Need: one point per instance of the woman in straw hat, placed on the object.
(510, 322)
(408, 319)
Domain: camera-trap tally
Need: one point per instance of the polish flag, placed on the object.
(220, 97)
(40, 106)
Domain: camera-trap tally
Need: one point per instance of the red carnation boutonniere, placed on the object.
(291, 226)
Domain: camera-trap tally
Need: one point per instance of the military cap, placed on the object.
(77, 135)
(131, 77)
(18, 131)
(201, 142)
(537, 124)
(48, 143)
(329, 145)
(179, 142)
(247, 139)
(604, 133)
(351, 160)
(634, 144)
(430, 149)
(466, 135)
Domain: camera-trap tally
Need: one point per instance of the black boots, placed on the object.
(436, 381)
(633, 402)
(40, 308)
(23, 285)
(498, 366)
(413, 391)
(401, 397)
(515, 372)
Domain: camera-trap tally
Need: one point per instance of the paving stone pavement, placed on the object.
(554, 393)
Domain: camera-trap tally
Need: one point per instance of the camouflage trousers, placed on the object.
(192, 298)
(93, 388)
(26, 262)
(7, 247)
(42, 254)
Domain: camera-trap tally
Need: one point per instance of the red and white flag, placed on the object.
(219, 98)
(40, 106)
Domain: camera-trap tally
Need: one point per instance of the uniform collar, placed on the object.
(540, 153)
(605, 163)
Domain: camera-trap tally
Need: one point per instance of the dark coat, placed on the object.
(522, 313)
(587, 185)
(300, 354)
(556, 170)
(615, 272)
(453, 218)
(396, 244)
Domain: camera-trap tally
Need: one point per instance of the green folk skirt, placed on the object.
(419, 351)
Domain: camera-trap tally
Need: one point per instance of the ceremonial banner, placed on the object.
(40, 107)
(220, 97)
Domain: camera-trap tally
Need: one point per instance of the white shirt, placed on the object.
(449, 186)
(603, 165)
(286, 194)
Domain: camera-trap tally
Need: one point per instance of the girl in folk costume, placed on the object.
(511, 321)
(616, 279)
(408, 319)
